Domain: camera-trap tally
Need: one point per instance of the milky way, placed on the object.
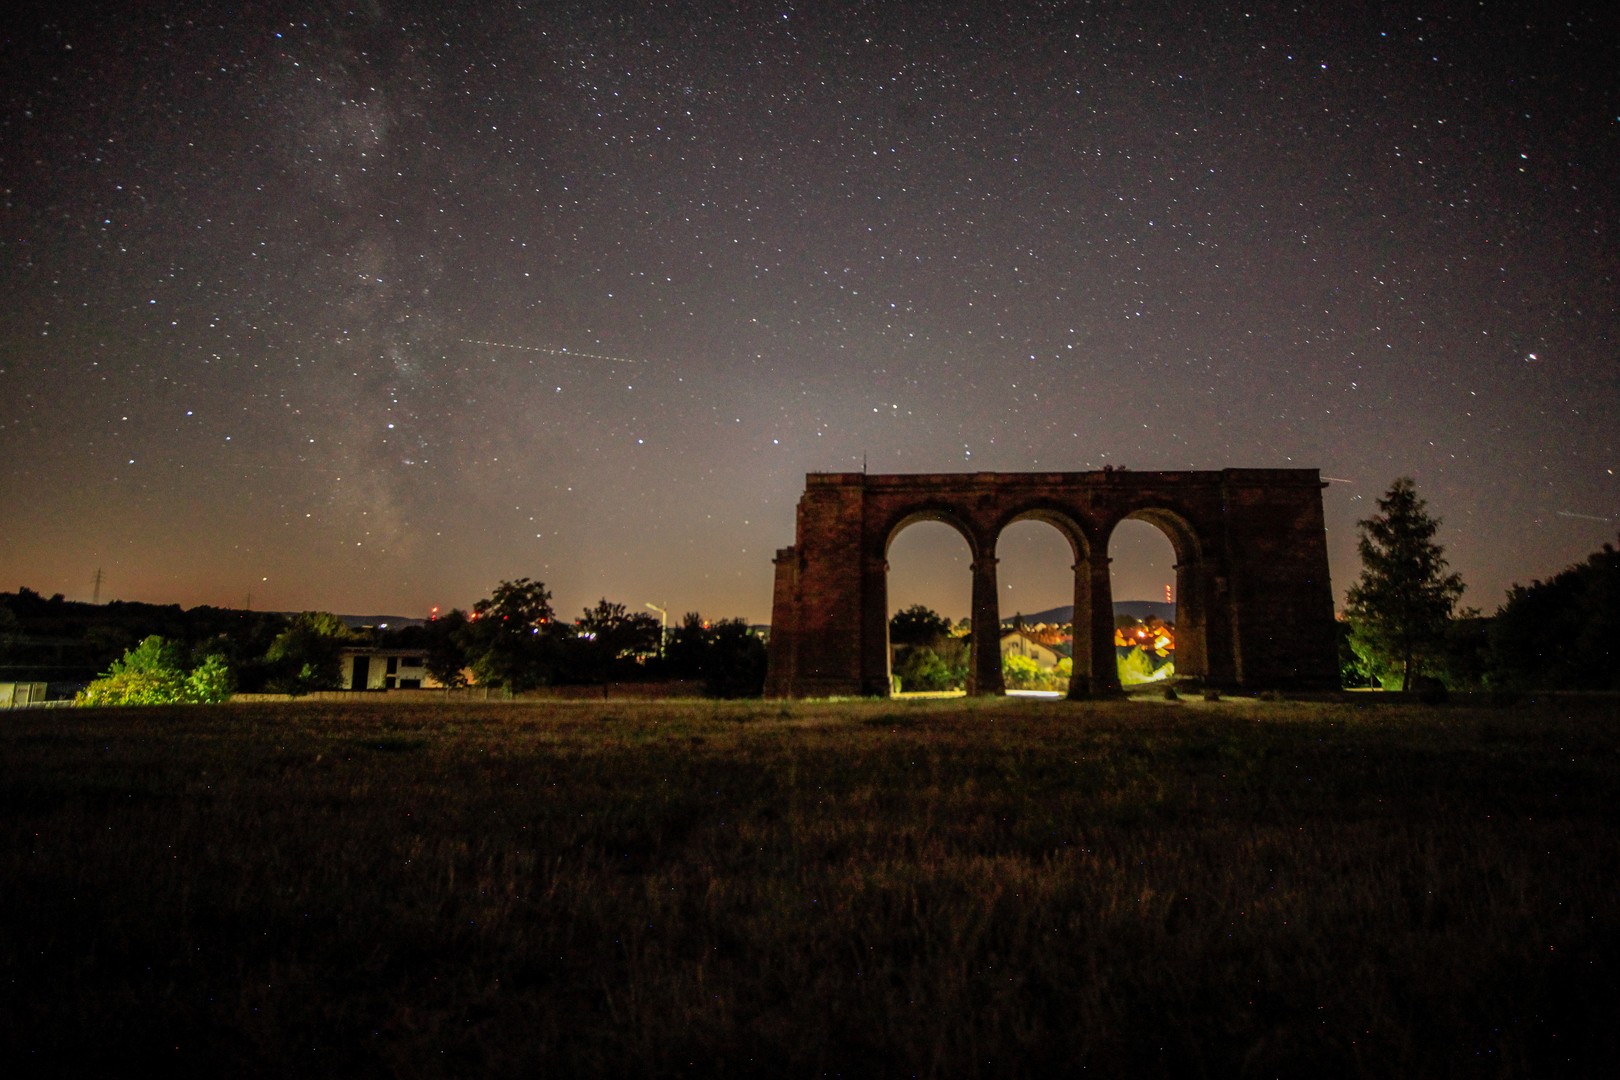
(368, 309)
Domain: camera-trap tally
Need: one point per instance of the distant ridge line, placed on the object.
(1136, 609)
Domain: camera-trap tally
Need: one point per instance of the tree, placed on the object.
(510, 637)
(727, 656)
(10, 631)
(1403, 601)
(736, 663)
(926, 655)
(687, 649)
(608, 638)
(307, 655)
(918, 625)
(444, 654)
(1564, 632)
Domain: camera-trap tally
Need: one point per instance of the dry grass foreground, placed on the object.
(1010, 888)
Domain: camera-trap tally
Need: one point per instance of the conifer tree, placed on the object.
(1403, 601)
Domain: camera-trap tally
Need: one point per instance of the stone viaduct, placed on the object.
(1254, 605)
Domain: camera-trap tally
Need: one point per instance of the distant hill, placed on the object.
(392, 622)
(1136, 609)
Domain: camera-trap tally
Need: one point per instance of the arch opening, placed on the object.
(1153, 561)
(1036, 558)
(929, 576)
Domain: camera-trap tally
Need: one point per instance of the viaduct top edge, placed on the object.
(1100, 478)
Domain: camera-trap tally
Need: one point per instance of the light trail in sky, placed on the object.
(553, 352)
(1584, 517)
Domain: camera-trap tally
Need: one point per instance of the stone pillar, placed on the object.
(1220, 629)
(1080, 679)
(985, 679)
(1192, 639)
(782, 655)
(875, 626)
(1104, 666)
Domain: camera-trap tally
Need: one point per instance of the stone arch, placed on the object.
(1192, 583)
(944, 515)
(1250, 547)
(929, 514)
(1082, 679)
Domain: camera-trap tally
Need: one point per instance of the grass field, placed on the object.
(937, 888)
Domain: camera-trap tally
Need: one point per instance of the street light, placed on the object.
(663, 626)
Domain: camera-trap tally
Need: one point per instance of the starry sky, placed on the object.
(366, 307)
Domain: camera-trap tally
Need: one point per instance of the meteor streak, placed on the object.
(553, 352)
(1584, 517)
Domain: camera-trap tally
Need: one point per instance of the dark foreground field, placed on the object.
(934, 889)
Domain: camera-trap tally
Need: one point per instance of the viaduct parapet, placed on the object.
(1254, 604)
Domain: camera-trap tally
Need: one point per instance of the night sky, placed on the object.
(365, 308)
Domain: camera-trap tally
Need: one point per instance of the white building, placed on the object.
(1018, 643)
(385, 669)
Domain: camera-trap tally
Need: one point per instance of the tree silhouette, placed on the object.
(1403, 601)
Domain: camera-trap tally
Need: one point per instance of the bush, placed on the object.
(151, 674)
(210, 682)
(1136, 667)
(1023, 673)
(921, 670)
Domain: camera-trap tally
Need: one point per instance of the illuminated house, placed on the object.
(1021, 643)
(1151, 637)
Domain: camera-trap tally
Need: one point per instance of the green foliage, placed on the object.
(1352, 675)
(918, 625)
(1019, 672)
(1369, 665)
(922, 670)
(1402, 603)
(307, 655)
(955, 651)
(1562, 633)
(153, 655)
(152, 674)
(211, 682)
(1137, 667)
(135, 688)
